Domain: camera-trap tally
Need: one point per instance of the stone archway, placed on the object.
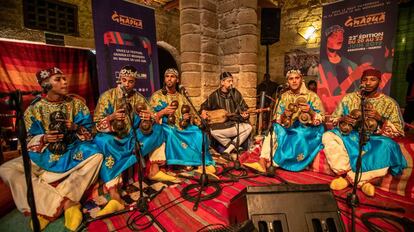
(172, 51)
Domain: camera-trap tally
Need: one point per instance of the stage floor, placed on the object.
(176, 214)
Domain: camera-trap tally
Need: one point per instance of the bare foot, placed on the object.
(113, 192)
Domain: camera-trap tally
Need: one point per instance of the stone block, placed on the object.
(209, 46)
(248, 29)
(209, 19)
(193, 92)
(188, 29)
(211, 79)
(248, 68)
(228, 34)
(232, 68)
(248, 58)
(230, 46)
(191, 16)
(247, 92)
(248, 43)
(209, 67)
(251, 102)
(209, 32)
(226, 6)
(229, 20)
(230, 59)
(191, 79)
(247, 4)
(190, 67)
(190, 43)
(187, 57)
(188, 4)
(249, 79)
(209, 58)
(208, 5)
(247, 16)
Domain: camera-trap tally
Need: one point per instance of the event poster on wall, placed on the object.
(355, 36)
(125, 35)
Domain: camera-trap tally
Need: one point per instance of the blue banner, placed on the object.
(355, 36)
(125, 35)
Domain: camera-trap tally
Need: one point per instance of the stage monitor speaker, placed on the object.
(270, 26)
(291, 207)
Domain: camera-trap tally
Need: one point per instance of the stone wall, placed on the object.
(218, 36)
(12, 24)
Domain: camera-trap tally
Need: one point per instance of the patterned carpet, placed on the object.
(176, 214)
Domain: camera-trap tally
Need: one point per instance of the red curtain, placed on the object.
(19, 63)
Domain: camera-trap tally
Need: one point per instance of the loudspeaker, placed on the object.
(287, 207)
(270, 26)
(291, 207)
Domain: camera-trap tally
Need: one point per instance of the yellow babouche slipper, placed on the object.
(211, 169)
(256, 166)
(73, 217)
(339, 183)
(162, 176)
(368, 189)
(111, 207)
(43, 222)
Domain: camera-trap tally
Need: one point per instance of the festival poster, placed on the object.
(355, 36)
(125, 35)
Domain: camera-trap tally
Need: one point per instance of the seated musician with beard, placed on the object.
(383, 122)
(183, 138)
(229, 99)
(64, 160)
(297, 130)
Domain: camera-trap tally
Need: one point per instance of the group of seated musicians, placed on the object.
(67, 158)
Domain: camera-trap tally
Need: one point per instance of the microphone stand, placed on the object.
(352, 198)
(142, 203)
(17, 99)
(271, 171)
(203, 181)
(236, 163)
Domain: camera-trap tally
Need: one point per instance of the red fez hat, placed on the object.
(46, 73)
(372, 72)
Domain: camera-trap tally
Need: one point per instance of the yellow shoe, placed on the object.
(368, 189)
(339, 183)
(211, 175)
(211, 169)
(161, 176)
(73, 217)
(256, 166)
(43, 222)
(111, 207)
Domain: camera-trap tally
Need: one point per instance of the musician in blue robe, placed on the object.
(183, 140)
(64, 160)
(125, 120)
(297, 131)
(383, 122)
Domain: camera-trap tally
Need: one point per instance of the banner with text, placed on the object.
(355, 36)
(125, 35)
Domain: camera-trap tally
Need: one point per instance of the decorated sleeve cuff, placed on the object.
(37, 144)
(104, 125)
